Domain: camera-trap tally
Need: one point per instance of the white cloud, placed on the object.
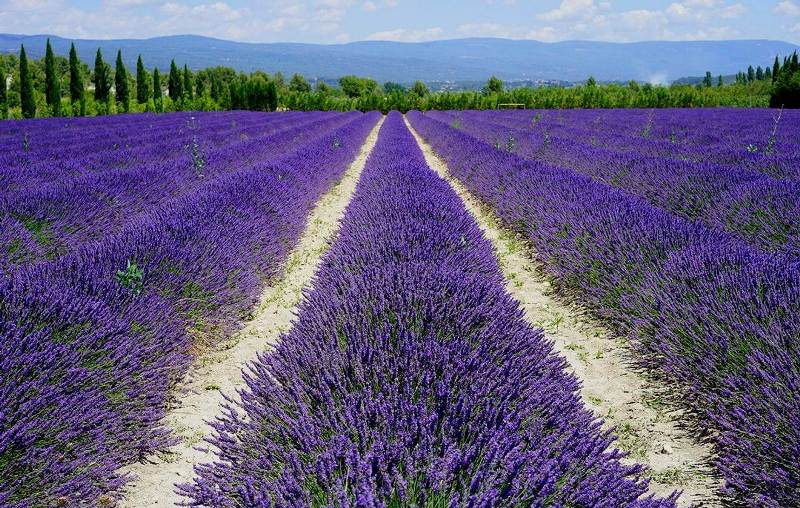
(407, 35)
(705, 4)
(570, 9)
(787, 8)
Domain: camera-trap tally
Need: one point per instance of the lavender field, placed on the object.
(133, 247)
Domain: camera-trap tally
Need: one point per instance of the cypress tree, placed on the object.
(707, 79)
(121, 83)
(768, 73)
(100, 78)
(759, 73)
(188, 90)
(142, 89)
(794, 65)
(751, 74)
(157, 89)
(719, 80)
(26, 98)
(76, 91)
(272, 95)
(776, 69)
(199, 85)
(175, 88)
(52, 83)
(3, 95)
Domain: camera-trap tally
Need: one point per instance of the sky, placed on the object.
(336, 21)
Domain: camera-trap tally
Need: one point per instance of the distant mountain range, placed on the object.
(457, 60)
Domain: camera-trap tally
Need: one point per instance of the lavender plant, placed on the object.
(410, 377)
(714, 316)
(86, 364)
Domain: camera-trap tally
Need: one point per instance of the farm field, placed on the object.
(450, 308)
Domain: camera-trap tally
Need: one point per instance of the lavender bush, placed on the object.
(717, 317)
(50, 220)
(759, 209)
(92, 342)
(410, 377)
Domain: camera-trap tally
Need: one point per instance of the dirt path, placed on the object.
(647, 427)
(220, 371)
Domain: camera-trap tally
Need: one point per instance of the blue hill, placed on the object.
(447, 60)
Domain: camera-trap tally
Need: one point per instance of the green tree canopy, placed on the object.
(142, 82)
(157, 89)
(299, 84)
(494, 85)
(353, 86)
(392, 87)
(188, 89)
(102, 79)
(76, 90)
(420, 89)
(175, 83)
(3, 95)
(52, 81)
(121, 83)
(26, 97)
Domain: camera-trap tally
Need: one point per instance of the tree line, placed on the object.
(58, 86)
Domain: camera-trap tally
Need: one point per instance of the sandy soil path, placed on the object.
(648, 428)
(219, 371)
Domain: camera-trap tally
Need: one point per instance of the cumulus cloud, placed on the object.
(570, 10)
(787, 8)
(346, 20)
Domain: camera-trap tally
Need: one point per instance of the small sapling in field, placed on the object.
(132, 277)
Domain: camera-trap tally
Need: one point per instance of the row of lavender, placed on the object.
(91, 343)
(49, 151)
(759, 209)
(713, 315)
(50, 220)
(759, 139)
(410, 377)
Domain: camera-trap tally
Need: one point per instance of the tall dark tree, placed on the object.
(121, 83)
(52, 82)
(175, 84)
(3, 95)
(157, 89)
(272, 95)
(751, 74)
(216, 87)
(759, 73)
(76, 91)
(776, 68)
(142, 86)
(707, 79)
(102, 79)
(26, 97)
(188, 89)
(199, 85)
(719, 80)
(768, 73)
(786, 89)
